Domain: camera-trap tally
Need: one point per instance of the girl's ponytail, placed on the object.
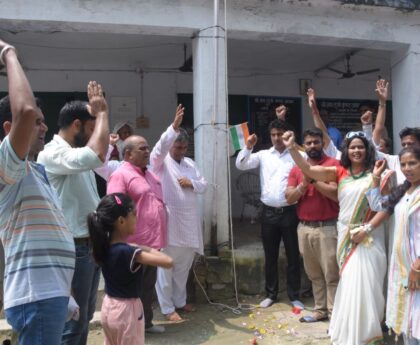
(99, 238)
(101, 223)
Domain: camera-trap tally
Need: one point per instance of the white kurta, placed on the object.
(184, 236)
(184, 218)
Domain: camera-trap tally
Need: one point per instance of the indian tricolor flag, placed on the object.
(238, 135)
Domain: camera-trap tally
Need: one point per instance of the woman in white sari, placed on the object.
(359, 302)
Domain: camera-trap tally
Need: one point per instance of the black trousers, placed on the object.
(280, 224)
(147, 293)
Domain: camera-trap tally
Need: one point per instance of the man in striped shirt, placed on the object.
(39, 248)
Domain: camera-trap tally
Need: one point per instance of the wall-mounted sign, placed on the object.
(345, 114)
(123, 109)
(262, 110)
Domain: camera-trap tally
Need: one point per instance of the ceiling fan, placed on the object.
(348, 73)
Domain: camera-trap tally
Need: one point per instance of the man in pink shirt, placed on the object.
(144, 187)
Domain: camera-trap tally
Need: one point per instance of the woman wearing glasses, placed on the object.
(359, 302)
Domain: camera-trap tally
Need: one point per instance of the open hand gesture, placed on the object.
(288, 139)
(382, 90)
(179, 115)
(366, 118)
(251, 141)
(281, 112)
(97, 102)
(311, 98)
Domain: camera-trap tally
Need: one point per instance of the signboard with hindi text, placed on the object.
(262, 110)
(345, 113)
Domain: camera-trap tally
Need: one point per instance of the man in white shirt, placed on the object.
(409, 136)
(181, 183)
(279, 220)
(69, 158)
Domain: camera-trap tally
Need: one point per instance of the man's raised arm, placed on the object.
(162, 147)
(98, 108)
(382, 91)
(22, 102)
(317, 117)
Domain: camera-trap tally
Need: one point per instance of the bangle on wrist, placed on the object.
(382, 104)
(4, 51)
(376, 177)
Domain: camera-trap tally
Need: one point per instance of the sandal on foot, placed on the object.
(174, 317)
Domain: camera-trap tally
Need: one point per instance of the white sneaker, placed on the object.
(155, 329)
(266, 303)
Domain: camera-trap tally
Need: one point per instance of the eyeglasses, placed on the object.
(144, 148)
(351, 135)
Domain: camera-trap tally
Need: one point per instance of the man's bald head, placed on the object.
(136, 151)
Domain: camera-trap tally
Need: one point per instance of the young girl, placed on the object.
(122, 311)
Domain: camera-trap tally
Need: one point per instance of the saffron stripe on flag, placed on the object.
(245, 131)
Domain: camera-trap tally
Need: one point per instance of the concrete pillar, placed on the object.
(405, 65)
(210, 110)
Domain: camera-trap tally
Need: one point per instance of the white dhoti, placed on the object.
(171, 283)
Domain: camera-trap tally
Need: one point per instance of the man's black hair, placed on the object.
(6, 113)
(279, 124)
(414, 131)
(314, 132)
(71, 111)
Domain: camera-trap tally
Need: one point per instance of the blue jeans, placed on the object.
(84, 289)
(39, 323)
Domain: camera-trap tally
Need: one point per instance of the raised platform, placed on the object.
(216, 273)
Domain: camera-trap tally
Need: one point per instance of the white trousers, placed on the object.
(171, 283)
